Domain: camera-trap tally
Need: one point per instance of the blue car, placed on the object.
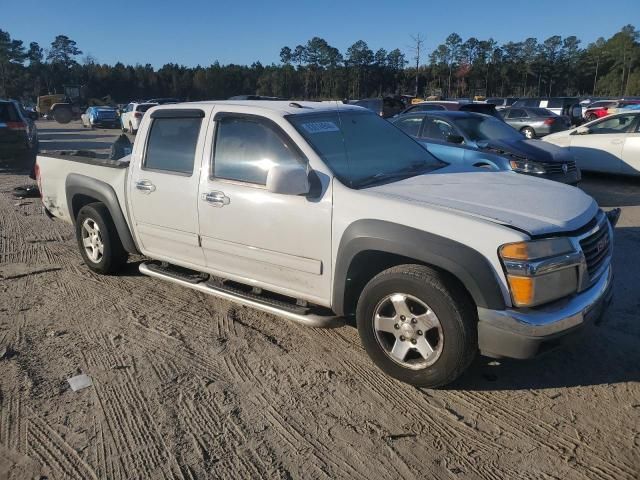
(474, 139)
(101, 117)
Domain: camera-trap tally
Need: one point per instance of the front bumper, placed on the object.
(523, 333)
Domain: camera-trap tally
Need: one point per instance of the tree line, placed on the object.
(316, 70)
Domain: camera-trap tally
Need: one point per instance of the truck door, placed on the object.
(163, 188)
(278, 242)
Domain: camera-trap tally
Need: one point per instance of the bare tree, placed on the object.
(418, 42)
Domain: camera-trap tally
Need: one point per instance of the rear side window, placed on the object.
(8, 113)
(245, 150)
(438, 129)
(617, 124)
(172, 145)
(410, 125)
(517, 113)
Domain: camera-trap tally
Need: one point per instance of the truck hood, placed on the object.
(532, 205)
(535, 150)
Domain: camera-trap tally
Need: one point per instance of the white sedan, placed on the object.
(610, 144)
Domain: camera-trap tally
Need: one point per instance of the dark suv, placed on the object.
(18, 135)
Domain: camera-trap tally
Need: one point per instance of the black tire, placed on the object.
(451, 304)
(62, 115)
(114, 255)
(528, 132)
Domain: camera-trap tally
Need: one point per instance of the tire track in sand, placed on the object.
(45, 444)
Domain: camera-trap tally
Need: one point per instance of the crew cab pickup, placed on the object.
(321, 212)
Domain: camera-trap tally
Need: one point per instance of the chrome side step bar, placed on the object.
(309, 320)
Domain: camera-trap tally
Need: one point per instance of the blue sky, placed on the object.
(192, 32)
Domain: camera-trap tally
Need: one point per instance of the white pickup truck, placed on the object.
(319, 212)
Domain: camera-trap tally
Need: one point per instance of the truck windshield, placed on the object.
(362, 149)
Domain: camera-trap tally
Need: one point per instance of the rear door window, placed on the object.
(410, 125)
(438, 129)
(172, 144)
(517, 113)
(8, 113)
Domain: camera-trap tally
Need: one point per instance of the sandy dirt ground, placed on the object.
(186, 386)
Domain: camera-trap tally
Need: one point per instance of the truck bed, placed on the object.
(54, 171)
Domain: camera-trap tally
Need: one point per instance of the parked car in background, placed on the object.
(602, 108)
(131, 116)
(610, 144)
(567, 106)
(598, 109)
(255, 97)
(163, 101)
(535, 122)
(383, 107)
(501, 102)
(101, 117)
(454, 105)
(18, 135)
(444, 131)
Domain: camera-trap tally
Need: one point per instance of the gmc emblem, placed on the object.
(601, 245)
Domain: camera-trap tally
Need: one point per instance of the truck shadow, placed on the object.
(600, 354)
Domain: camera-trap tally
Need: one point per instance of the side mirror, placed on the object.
(288, 180)
(455, 139)
(582, 130)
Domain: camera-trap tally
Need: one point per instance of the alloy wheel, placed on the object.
(408, 331)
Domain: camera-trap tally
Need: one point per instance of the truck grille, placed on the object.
(556, 168)
(596, 248)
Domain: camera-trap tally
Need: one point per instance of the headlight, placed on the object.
(526, 166)
(540, 271)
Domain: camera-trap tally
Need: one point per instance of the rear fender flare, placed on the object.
(77, 184)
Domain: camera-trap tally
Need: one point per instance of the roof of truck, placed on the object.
(285, 107)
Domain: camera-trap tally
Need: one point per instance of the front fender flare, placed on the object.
(469, 266)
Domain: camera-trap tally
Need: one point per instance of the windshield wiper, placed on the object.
(412, 171)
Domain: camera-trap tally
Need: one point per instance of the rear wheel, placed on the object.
(62, 115)
(417, 325)
(529, 132)
(98, 240)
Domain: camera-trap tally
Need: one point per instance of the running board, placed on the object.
(309, 319)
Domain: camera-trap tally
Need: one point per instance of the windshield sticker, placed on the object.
(320, 127)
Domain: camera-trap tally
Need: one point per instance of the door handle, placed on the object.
(216, 199)
(145, 186)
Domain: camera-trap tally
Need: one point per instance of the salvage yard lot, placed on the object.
(188, 386)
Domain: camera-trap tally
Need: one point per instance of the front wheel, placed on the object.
(98, 240)
(529, 132)
(417, 325)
